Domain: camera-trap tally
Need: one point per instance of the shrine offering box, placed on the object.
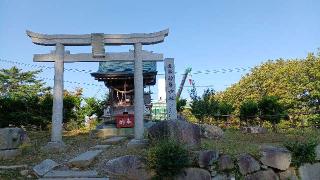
(125, 121)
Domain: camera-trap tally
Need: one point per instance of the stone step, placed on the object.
(71, 174)
(44, 167)
(101, 147)
(114, 140)
(111, 131)
(84, 159)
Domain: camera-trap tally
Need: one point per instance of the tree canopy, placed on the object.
(296, 82)
(26, 101)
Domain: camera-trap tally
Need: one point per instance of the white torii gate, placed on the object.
(98, 41)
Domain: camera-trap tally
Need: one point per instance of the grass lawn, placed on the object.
(236, 142)
(77, 142)
(233, 143)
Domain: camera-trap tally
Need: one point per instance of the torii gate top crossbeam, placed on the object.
(108, 39)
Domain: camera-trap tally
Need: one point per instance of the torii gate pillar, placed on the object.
(57, 108)
(138, 93)
(56, 142)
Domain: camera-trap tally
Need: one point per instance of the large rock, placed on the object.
(9, 154)
(221, 177)
(268, 174)
(84, 159)
(225, 162)
(318, 152)
(278, 158)
(247, 164)
(211, 132)
(44, 167)
(309, 171)
(288, 174)
(129, 167)
(181, 131)
(206, 158)
(193, 174)
(12, 138)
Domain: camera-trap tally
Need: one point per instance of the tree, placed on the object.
(25, 101)
(296, 83)
(91, 106)
(248, 110)
(20, 93)
(204, 107)
(181, 103)
(270, 109)
(16, 83)
(225, 109)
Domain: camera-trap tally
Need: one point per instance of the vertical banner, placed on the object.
(170, 89)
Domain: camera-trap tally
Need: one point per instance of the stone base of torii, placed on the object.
(98, 41)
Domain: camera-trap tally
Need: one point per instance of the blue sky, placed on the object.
(210, 34)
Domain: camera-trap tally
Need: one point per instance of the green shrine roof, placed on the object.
(110, 67)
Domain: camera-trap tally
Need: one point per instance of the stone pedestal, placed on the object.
(54, 147)
(137, 143)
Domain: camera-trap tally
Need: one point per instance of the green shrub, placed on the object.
(314, 120)
(248, 110)
(181, 103)
(302, 152)
(271, 110)
(167, 158)
(225, 108)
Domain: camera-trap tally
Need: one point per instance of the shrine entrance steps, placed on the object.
(79, 167)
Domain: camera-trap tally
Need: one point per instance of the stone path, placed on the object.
(85, 159)
(114, 140)
(101, 147)
(71, 174)
(50, 170)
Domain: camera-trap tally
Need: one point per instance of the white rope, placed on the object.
(123, 92)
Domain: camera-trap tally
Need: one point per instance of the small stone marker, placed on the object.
(71, 174)
(84, 159)
(9, 154)
(11, 138)
(114, 140)
(44, 167)
(101, 147)
(170, 88)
